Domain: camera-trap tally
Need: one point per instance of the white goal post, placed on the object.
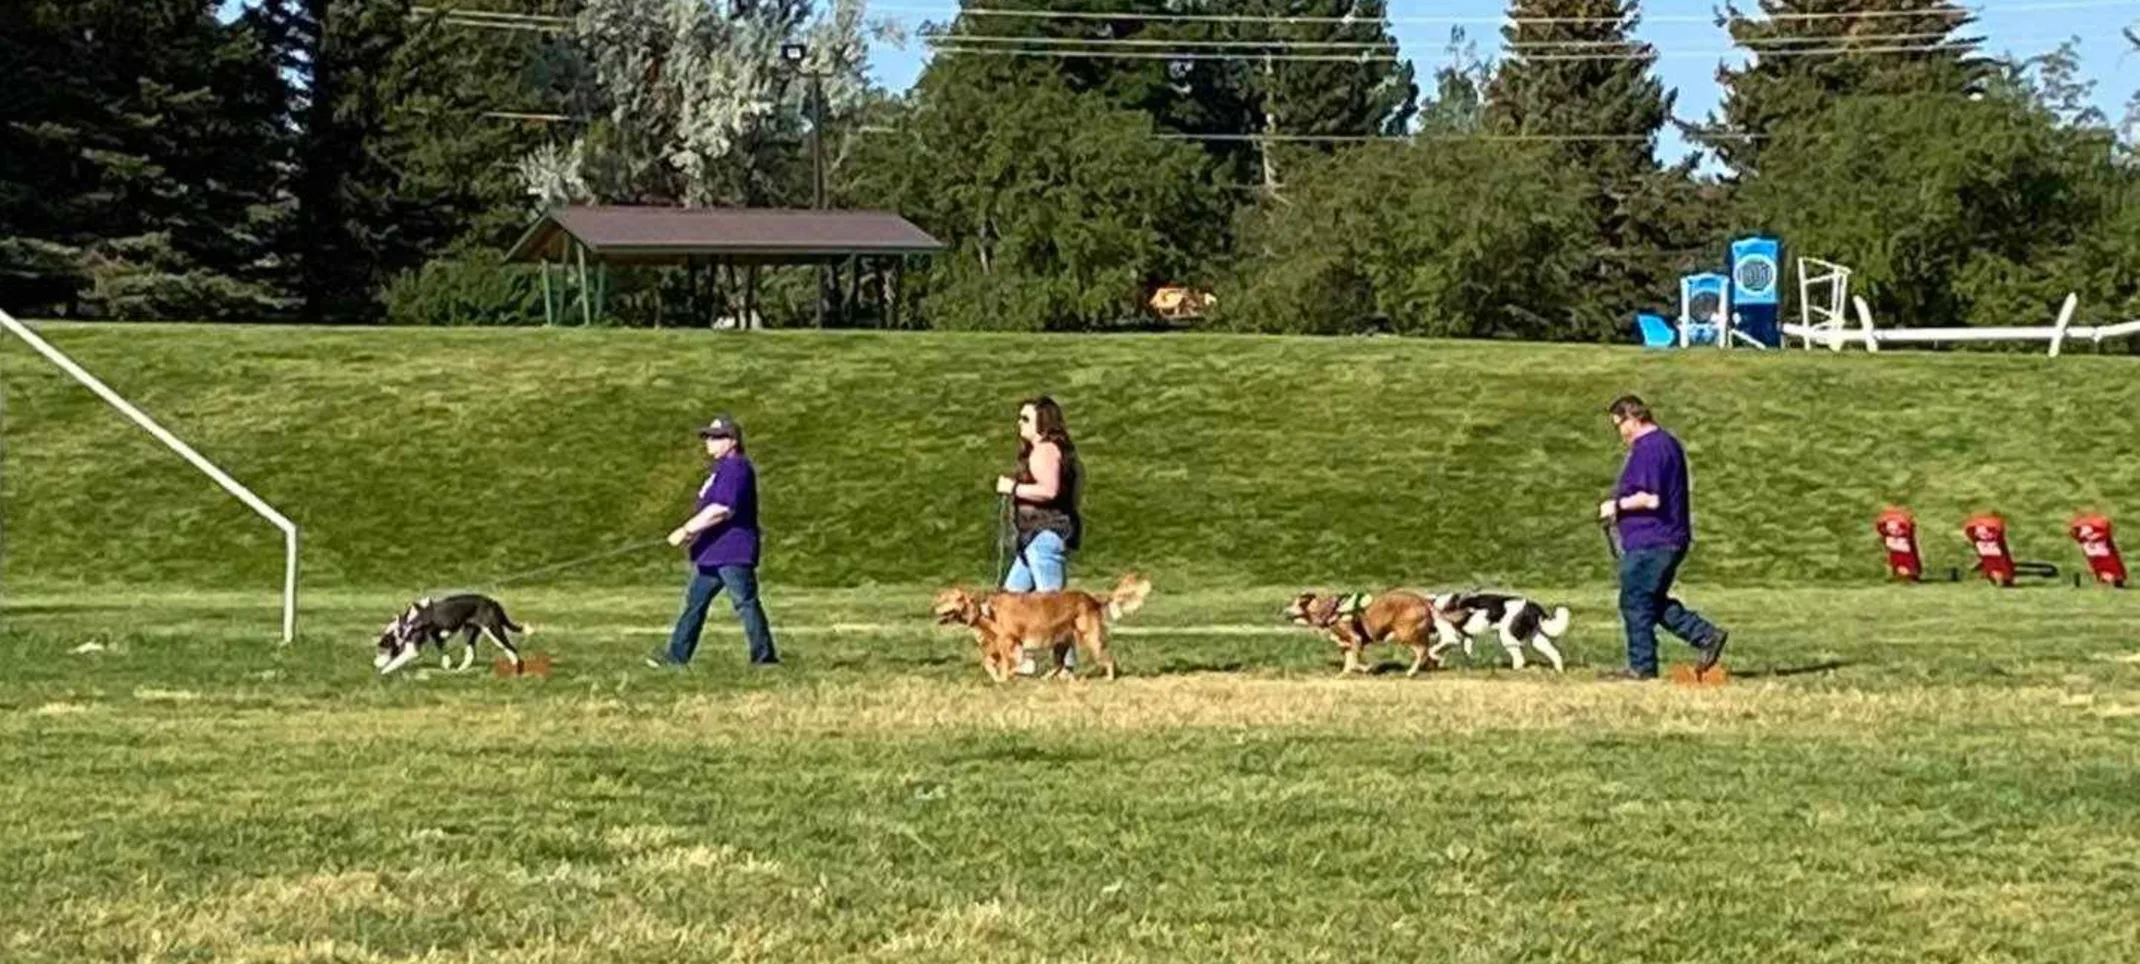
(230, 485)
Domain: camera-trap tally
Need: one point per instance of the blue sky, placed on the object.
(2023, 28)
(2020, 27)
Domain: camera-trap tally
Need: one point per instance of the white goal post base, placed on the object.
(230, 485)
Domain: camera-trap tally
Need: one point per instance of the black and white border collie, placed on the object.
(1460, 617)
(432, 620)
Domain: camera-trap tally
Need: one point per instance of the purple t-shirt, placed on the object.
(734, 541)
(1656, 464)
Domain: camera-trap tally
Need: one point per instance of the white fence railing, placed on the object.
(2057, 333)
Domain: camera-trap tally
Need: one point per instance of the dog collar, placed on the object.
(1354, 604)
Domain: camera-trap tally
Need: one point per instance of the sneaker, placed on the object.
(660, 660)
(1712, 649)
(1625, 676)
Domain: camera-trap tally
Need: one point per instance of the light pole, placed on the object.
(794, 55)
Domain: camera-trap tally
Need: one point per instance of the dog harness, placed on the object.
(1348, 610)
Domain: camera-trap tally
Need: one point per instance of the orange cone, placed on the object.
(1683, 674)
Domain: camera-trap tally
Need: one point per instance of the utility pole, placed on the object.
(795, 55)
(817, 140)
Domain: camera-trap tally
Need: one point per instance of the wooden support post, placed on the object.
(691, 298)
(854, 291)
(549, 310)
(601, 289)
(817, 277)
(750, 298)
(586, 296)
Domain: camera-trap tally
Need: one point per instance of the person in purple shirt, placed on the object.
(1653, 510)
(724, 541)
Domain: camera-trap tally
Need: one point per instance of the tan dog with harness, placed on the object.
(1356, 620)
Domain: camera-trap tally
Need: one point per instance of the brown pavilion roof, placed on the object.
(657, 235)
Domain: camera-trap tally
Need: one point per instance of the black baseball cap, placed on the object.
(722, 426)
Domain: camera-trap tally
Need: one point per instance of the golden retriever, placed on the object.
(1003, 622)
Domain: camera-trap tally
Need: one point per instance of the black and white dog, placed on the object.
(430, 620)
(1461, 616)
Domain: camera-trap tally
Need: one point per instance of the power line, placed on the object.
(499, 25)
(498, 15)
(1277, 45)
(1955, 13)
(1945, 48)
(1373, 138)
(1292, 138)
(1106, 43)
(470, 17)
(1363, 58)
(934, 39)
(1359, 58)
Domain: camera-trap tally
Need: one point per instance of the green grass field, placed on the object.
(1939, 773)
(1944, 773)
(1214, 462)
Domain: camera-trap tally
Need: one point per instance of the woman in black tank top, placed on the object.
(1044, 497)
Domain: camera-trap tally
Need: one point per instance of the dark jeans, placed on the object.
(1646, 601)
(742, 585)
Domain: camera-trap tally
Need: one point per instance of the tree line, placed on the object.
(359, 161)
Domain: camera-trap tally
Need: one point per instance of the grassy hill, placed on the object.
(421, 459)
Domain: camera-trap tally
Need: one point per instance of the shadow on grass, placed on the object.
(1191, 667)
(55, 609)
(858, 661)
(1809, 669)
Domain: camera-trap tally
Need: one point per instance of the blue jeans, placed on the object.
(742, 585)
(1041, 567)
(1646, 602)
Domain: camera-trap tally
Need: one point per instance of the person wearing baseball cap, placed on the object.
(723, 540)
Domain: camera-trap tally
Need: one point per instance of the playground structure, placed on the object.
(1740, 308)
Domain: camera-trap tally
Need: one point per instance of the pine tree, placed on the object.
(341, 51)
(1356, 91)
(1576, 78)
(1115, 57)
(138, 159)
(400, 153)
(1808, 53)
(464, 103)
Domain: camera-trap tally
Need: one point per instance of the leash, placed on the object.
(1006, 534)
(574, 563)
(1612, 545)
